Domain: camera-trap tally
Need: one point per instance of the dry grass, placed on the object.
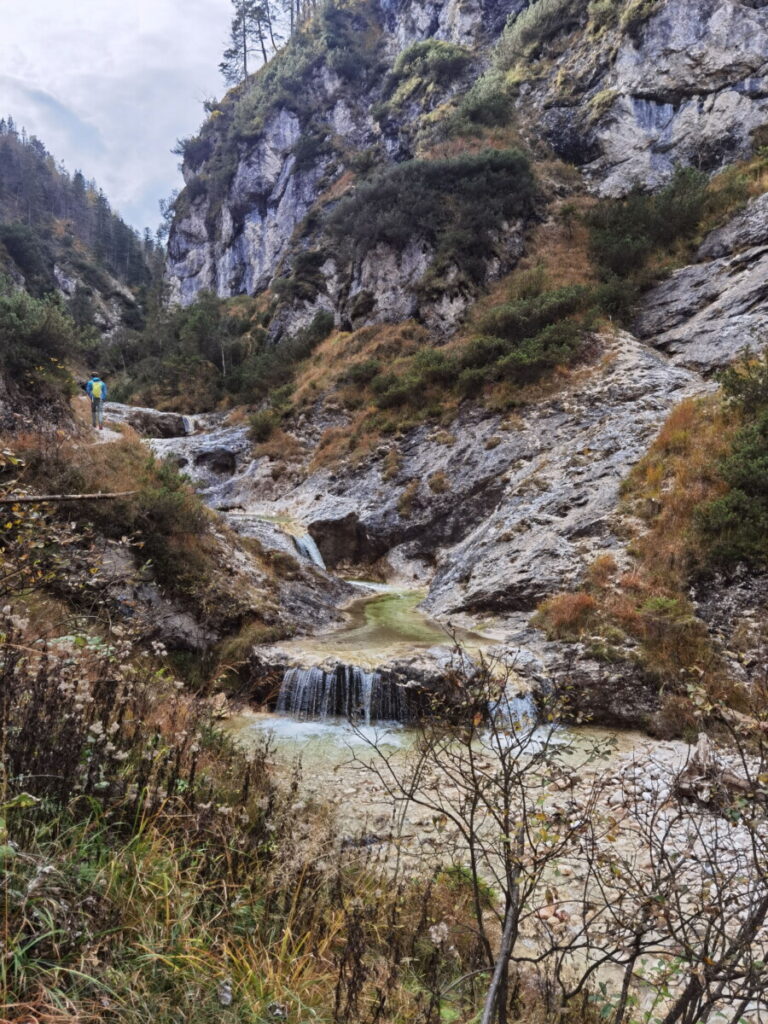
(407, 498)
(280, 447)
(648, 606)
(439, 483)
(677, 476)
(602, 569)
(391, 466)
(566, 616)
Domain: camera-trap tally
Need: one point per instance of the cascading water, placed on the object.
(305, 545)
(189, 425)
(346, 692)
(515, 709)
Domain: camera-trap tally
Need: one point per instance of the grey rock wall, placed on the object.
(687, 87)
(706, 313)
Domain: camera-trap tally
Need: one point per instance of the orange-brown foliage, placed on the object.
(566, 615)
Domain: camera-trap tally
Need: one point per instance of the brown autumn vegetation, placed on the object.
(647, 605)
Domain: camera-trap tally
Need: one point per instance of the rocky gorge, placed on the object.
(488, 513)
(400, 644)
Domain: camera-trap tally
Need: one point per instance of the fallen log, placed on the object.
(40, 499)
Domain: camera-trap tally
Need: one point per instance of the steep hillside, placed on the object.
(58, 234)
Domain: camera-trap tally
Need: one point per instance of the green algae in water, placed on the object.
(381, 627)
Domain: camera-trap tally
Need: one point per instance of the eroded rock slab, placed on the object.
(560, 489)
(706, 313)
(150, 422)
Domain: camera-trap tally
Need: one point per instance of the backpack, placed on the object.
(97, 389)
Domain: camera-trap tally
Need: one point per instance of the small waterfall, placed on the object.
(346, 692)
(189, 425)
(517, 709)
(305, 545)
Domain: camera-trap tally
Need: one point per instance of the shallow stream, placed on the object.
(383, 624)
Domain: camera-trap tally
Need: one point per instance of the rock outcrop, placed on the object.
(675, 83)
(244, 234)
(706, 313)
(685, 86)
(150, 422)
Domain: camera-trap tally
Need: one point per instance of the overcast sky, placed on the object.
(109, 85)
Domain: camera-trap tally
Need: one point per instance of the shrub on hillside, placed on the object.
(624, 232)
(35, 336)
(306, 280)
(735, 526)
(526, 317)
(539, 22)
(566, 615)
(31, 255)
(456, 205)
(433, 60)
(555, 345)
(262, 425)
(486, 104)
(361, 373)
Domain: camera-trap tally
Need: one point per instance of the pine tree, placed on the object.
(251, 25)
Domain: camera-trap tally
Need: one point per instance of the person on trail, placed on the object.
(97, 392)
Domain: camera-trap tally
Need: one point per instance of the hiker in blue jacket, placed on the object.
(97, 392)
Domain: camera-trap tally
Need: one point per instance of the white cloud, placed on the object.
(109, 85)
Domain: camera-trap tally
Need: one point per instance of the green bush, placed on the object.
(617, 296)
(306, 281)
(472, 381)
(31, 255)
(525, 317)
(534, 26)
(350, 38)
(486, 104)
(457, 205)
(432, 366)
(274, 365)
(735, 526)
(432, 60)
(482, 352)
(393, 392)
(624, 232)
(310, 148)
(36, 335)
(262, 425)
(555, 345)
(361, 373)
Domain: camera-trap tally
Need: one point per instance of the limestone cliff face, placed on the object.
(627, 102)
(688, 86)
(241, 239)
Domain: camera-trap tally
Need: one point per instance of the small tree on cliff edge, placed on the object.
(250, 31)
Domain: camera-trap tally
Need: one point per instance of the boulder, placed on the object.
(149, 422)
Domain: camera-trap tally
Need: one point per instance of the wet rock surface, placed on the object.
(150, 422)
